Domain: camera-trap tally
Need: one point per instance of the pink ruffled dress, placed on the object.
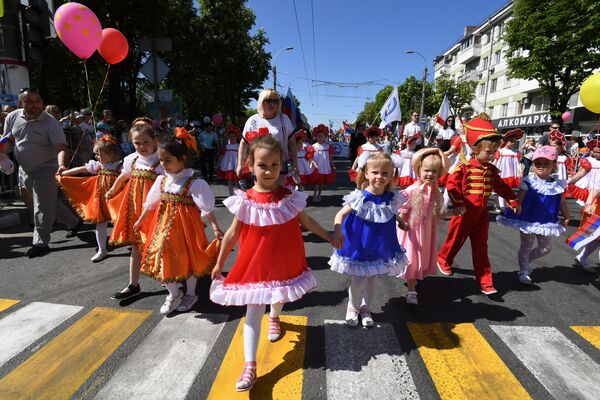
(420, 241)
(271, 264)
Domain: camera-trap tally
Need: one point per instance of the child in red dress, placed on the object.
(87, 194)
(322, 155)
(228, 161)
(271, 264)
(372, 134)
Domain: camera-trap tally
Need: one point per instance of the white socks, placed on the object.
(101, 235)
(254, 314)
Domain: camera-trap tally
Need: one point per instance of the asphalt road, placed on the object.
(562, 296)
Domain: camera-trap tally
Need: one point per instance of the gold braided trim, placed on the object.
(176, 198)
(478, 185)
(138, 173)
(108, 172)
(482, 129)
(484, 192)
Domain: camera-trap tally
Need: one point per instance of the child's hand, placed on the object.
(403, 225)
(516, 210)
(109, 195)
(337, 240)
(459, 211)
(218, 233)
(588, 209)
(216, 272)
(137, 225)
(566, 222)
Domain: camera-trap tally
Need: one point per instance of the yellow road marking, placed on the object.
(7, 303)
(280, 365)
(589, 333)
(462, 364)
(67, 361)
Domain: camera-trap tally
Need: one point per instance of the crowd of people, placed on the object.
(158, 204)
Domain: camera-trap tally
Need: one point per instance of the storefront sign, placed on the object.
(523, 121)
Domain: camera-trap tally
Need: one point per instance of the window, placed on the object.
(507, 83)
(504, 111)
(482, 89)
(485, 39)
(490, 112)
(497, 57)
(484, 63)
(493, 85)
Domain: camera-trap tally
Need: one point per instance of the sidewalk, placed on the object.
(12, 213)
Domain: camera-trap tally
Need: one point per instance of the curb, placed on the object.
(9, 220)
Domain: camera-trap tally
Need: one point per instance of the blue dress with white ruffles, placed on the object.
(540, 208)
(371, 245)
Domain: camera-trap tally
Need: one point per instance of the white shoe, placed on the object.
(171, 304)
(187, 303)
(584, 265)
(100, 255)
(366, 317)
(525, 279)
(411, 298)
(352, 316)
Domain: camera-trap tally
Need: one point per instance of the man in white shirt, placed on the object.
(413, 128)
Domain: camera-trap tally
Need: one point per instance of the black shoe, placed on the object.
(37, 251)
(75, 230)
(130, 290)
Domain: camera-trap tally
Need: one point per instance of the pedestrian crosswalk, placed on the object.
(53, 350)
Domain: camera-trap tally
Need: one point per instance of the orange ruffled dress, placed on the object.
(87, 193)
(175, 246)
(271, 264)
(125, 208)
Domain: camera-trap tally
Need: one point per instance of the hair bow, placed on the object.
(361, 161)
(320, 128)
(108, 138)
(397, 160)
(300, 135)
(187, 138)
(251, 135)
(231, 128)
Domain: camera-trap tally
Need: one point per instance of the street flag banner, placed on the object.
(444, 111)
(347, 128)
(289, 108)
(586, 234)
(390, 111)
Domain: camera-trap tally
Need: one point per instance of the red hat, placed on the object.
(414, 137)
(480, 128)
(513, 133)
(555, 134)
(592, 143)
(300, 135)
(373, 131)
(320, 128)
(231, 128)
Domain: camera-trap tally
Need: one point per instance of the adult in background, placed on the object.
(356, 140)
(270, 116)
(527, 152)
(38, 142)
(446, 134)
(209, 143)
(413, 128)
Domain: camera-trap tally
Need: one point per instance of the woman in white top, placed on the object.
(270, 116)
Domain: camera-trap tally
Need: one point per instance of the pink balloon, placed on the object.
(217, 119)
(566, 116)
(78, 28)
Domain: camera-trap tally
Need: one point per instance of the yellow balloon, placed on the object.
(590, 93)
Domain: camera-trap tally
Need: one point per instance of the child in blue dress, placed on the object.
(365, 234)
(541, 197)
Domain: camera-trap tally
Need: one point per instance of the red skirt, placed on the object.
(324, 179)
(227, 175)
(405, 181)
(512, 181)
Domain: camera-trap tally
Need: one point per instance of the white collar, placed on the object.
(185, 173)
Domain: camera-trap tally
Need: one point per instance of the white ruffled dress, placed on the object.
(371, 246)
(271, 264)
(540, 207)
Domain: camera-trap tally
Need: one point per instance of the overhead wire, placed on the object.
(302, 49)
(312, 10)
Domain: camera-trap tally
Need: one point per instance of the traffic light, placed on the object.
(35, 19)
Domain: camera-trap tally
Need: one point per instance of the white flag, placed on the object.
(390, 111)
(444, 111)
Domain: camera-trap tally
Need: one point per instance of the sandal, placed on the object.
(366, 318)
(274, 330)
(352, 316)
(247, 378)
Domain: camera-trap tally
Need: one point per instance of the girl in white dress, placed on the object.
(229, 157)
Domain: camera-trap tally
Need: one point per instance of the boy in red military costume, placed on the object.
(469, 187)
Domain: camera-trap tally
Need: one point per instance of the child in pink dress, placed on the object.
(421, 214)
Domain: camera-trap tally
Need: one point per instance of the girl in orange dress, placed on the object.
(87, 194)
(139, 172)
(271, 265)
(175, 246)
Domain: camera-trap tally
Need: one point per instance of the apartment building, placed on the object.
(480, 56)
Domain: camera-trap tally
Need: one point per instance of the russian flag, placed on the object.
(288, 107)
(587, 233)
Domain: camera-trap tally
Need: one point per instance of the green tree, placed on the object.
(459, 94)
(555, 42)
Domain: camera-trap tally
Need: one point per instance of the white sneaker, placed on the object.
(525, 279)
(171, 304)
(100, 255)
(411, 298)
(187, 303)
(366, 317)
(352, 316)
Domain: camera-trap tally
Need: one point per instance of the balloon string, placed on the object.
(101, 89)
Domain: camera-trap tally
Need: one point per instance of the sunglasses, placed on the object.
(272, 101)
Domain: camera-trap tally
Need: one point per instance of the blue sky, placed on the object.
(356, 42)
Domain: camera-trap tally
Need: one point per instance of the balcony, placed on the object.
(473, 75)
(469, 54)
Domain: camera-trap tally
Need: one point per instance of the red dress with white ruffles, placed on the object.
(271, 264)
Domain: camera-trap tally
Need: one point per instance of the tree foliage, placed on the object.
(216, 64)
(459, 94)
(555, 42)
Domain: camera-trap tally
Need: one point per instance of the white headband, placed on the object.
(362, 160)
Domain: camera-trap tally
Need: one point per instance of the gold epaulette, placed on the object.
(458, 166)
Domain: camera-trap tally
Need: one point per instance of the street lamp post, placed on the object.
(424, 80)
(275, 66)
